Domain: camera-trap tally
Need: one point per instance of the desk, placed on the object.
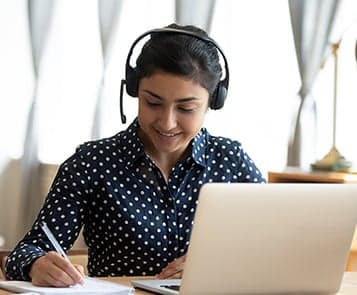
(294, 175)
(348, 287)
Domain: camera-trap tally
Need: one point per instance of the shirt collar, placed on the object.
(199, 144)
(134, 148)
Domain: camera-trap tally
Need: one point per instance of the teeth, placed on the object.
(166, 134)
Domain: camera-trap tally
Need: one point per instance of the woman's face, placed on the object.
(171, 113)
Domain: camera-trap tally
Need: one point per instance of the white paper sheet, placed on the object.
(91, 287)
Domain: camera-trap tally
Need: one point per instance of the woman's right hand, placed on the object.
(55, 271)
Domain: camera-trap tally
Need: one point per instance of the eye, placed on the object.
(187, 107)
(186, 110)
(153, 104)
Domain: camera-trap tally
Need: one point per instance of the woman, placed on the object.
(135, 193)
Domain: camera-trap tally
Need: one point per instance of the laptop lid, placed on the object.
(270, 239)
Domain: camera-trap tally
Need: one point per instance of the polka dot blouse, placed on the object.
(134, 222)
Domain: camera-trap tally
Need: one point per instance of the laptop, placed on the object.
(267, 239)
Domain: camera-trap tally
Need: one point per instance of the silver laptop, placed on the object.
(267, 239)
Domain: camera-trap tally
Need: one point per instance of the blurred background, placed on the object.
(61, 63)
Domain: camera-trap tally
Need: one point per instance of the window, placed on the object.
(255, 35)
(257, 39)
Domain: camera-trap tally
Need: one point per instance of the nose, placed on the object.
(168, 120)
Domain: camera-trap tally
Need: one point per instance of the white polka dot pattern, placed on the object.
(134, 222)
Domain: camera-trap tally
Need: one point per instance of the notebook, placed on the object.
(91, 287)
(267, 239)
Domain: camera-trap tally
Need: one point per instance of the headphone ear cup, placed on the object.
(219, 97)
(131, 82)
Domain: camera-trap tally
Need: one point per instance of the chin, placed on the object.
(168, 150)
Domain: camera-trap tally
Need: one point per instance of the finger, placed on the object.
(65, 271)
(53, 270)
(46, 277)
(169, 275)
(40, 272)
(61, 278)
(49, 280)
(80, 268)
(171, 271)
(177, 275)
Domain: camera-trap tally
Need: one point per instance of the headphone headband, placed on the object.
(187, 33)
(131, 79)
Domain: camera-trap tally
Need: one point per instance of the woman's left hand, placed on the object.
(173, 270)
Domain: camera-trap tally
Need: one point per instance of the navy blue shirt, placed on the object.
(134, 222)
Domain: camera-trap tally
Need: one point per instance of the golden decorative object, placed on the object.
(333, 160)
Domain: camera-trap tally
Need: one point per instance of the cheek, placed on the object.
(143, 112)
(193, 124)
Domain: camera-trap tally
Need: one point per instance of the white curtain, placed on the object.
(13, 14)
(198, 13)
(312, 22)
(39, 17)
(55, 58)
(108, 14)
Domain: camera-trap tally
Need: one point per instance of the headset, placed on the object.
(132, 80)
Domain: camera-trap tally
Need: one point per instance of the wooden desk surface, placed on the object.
(293, 174)
(348, 287)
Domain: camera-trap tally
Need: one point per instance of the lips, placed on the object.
(167, 134)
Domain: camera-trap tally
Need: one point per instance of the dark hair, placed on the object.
(181, 55)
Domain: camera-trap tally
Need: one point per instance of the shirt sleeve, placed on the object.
(63, 211)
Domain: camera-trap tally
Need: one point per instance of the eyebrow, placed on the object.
(184, 99)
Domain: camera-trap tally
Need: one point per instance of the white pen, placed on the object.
(53, 240)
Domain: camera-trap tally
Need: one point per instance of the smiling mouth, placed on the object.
(167, 134)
